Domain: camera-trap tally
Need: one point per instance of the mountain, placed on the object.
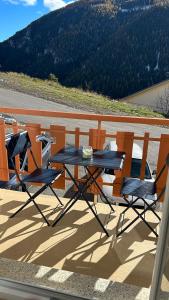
(114, 47)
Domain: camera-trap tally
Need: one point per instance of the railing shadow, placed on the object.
(77, 244)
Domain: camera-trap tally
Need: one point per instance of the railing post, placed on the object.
(4, 172)
(144, 155)
(124, 141)
(99, 124)
(34, 130)
(163, 151)
(97, 139)
(17, 159)
(59, 135)
(77, 144)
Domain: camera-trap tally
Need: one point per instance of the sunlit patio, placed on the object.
(77, 243)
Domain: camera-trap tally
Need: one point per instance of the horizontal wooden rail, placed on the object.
(92, 117)
(86, 133)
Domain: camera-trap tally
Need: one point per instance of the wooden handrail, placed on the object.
(82, 116)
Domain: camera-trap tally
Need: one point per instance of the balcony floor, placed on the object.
(77, 243)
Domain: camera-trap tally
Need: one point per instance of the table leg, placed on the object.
(95, 182)
(92, 180)
(96, 216)
(81, 192)
(74, 198)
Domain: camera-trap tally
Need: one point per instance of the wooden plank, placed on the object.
(94, 117)
(77, 144)
(99, 124)
(124, 141)
(17, 158)
(59, 135)
(97, 139)
(4, 172)
(144, 155)
(163, 151)
(34, 130)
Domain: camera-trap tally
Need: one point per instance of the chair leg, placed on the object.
(64, 212)
(47, 222)
(131, 223)
(22, 207)
(139, 216)
(56, 195)
(32, 199)
(150, 208)
(130, 203)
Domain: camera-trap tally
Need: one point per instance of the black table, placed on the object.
(101, 160)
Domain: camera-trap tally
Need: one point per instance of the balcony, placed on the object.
(77, 244)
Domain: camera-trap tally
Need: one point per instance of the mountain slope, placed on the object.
(75, 98)
(115, 47)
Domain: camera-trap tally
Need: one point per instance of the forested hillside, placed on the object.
(114, 47)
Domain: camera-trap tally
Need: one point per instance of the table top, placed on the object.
(101, 158)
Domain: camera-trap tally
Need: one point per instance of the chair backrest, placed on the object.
(19, 143)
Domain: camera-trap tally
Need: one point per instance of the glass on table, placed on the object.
(87, 152)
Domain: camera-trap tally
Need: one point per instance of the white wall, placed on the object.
(148, 97)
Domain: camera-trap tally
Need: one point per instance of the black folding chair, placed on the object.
(20, 143)
(145, 191)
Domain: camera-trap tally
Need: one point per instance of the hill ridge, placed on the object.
(113, 47)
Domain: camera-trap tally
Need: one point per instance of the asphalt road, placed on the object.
(11, 99)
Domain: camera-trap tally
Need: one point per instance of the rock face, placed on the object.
(114, 47)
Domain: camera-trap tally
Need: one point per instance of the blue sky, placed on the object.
(16, 14)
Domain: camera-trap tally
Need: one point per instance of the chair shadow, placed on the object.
(141, 275)
(75, 245)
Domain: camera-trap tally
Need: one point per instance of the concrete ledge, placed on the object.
(69, 282)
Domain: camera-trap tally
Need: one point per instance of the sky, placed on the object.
(17, 14)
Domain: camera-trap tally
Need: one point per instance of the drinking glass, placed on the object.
(87, 152)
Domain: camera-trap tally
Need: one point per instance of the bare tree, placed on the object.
(163, 103)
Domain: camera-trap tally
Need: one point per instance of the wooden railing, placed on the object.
(96, 136)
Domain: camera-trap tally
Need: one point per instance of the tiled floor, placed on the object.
(77, 243)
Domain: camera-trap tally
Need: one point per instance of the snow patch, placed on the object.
(148, 68)
(156, 68)
(137, 8)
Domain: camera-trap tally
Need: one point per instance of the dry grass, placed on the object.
(53, 91)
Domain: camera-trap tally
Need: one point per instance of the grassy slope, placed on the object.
(53, 91)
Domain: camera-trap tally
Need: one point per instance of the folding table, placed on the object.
(100, 160)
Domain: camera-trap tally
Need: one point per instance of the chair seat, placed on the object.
(4, 184)
(42, 175)
(137, 187)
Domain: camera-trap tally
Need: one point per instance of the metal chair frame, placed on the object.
(147, 206)
(24, 145)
